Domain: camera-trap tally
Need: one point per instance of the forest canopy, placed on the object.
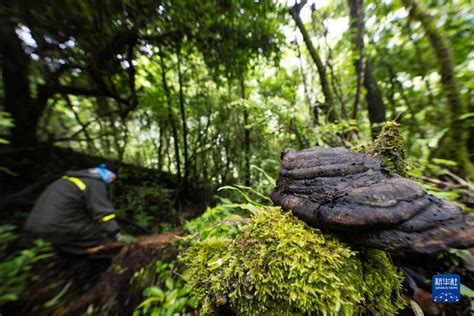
(205, 89)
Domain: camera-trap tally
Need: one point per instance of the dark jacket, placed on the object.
(73, 213)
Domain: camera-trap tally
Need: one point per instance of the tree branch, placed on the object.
(73, 90)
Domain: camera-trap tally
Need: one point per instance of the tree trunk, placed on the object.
(470, 139)
(160, 146)
(24, 110)
(363, 65)
(174, 129)
(356, 9)
(336, 84)
(454, 143)
(374, 99)
(246, 135)
(421, 65)
(323, 78)
(313, 113)
(414, 125)
(182, 111)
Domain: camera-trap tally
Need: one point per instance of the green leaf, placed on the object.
(9, 297)
(271, 180)
(169, 283)
(245, 195)
(445, 162)
(149, 301)
(466, 116)
(156, 292)
(216, 263)
(467, 291)
(56, 299)
(171, 296)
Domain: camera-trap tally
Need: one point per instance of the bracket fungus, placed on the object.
(358, 197)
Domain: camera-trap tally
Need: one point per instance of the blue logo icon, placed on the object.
(446, 288)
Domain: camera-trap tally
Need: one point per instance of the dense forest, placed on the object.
(195, 101)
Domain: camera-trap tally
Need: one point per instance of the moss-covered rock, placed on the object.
(279, 265)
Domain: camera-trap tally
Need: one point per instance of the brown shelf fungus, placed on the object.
(359, 198)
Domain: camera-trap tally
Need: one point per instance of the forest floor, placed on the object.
(114, 284)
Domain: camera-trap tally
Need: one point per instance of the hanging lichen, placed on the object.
(279, 265)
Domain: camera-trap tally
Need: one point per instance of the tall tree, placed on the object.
(374, 99)
(246, 141)
(363, 66)
(24, 109)
(329, 107)
(454, 143)
(182, 111)
(357, 39)
(171, 118)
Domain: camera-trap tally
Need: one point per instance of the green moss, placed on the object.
(203, 282)
(279, 265)
(380, 283)
(388, 146)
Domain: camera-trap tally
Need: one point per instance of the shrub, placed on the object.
(15, 270)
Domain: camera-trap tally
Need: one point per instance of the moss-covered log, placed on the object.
(278, 265)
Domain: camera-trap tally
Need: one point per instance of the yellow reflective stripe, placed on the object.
(78, 182)
(107, 218)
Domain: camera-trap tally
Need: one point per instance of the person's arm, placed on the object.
(100, 207)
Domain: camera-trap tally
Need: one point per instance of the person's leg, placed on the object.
(86, 266)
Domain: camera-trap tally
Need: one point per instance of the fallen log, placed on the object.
(165, 238)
